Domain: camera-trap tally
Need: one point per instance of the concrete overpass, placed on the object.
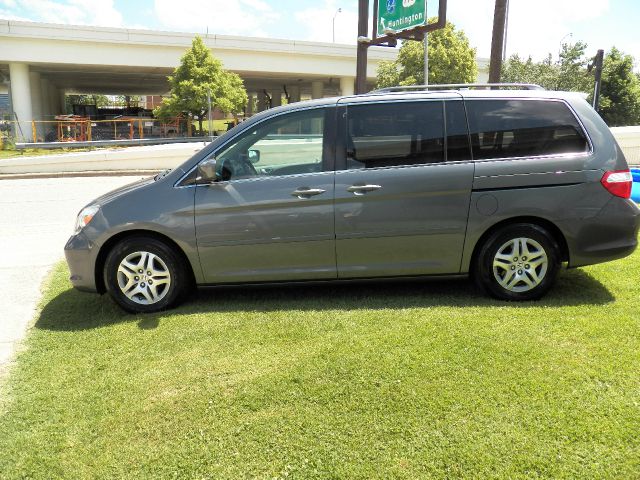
(41, 63)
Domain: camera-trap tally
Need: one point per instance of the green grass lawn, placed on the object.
(404, 380)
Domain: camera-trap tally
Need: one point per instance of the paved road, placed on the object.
(36, 219)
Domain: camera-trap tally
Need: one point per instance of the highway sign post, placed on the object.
(393, 20)
(396, 16)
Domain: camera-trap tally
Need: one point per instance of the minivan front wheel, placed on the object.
(144, 275)
(518, 262)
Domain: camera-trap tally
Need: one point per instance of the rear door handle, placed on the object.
(362, 189)
(304, 192)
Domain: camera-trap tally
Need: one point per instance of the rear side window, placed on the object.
(523, 128)
(393, 134)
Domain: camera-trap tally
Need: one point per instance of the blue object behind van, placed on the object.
(635, 189)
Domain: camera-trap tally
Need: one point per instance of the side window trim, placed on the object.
(465, 125)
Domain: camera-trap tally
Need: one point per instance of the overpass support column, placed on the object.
(276, 97)
(262, 101)
(346, 85)
(54, 102)
(46, 98)
(294, 93)
(63, 101)
(250, 101)
(50, 100)
(36, 101)
(317, 89)
(21, 99)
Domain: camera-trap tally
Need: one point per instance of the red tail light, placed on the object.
(618, 182)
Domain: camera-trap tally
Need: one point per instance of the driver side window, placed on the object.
(285, 145)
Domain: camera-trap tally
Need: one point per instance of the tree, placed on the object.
(451, 60)
(516, 70)
(620, 92)
(128, 100)
(97, 100)
(199, 73)
(569, 73)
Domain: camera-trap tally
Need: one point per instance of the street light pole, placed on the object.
(561, 43)
(334, 23)
(426, 58)
(209, 115)
(506, 33)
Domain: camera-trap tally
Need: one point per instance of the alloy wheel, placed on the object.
(520, 265)
(144, 278)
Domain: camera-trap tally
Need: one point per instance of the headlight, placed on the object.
(85, 216)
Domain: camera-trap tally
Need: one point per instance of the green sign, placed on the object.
(397, 15)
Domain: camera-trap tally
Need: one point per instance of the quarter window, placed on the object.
(393, 134)
(523, 128)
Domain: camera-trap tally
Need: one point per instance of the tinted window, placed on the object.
(523, 128)
(285, 145)
(391, 134)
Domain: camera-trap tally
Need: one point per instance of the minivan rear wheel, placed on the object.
(518, 262)
(144, 275)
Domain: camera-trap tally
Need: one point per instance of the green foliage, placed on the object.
(516, 70)
(569, 73)
(128, 100)
(198, 73)
(403, 380)
(572, 73)
(451, 60)
(620, 94)
(97, 100)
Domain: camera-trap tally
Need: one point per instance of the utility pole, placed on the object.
(497, 40)
(599, 63)
(363, 46)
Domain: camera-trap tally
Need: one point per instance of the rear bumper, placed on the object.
(79, 254)
(610, 235)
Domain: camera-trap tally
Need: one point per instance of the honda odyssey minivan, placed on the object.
(503, 185)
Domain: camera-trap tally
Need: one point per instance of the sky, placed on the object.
(536, 28)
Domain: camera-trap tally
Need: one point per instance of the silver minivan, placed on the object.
(503, 185)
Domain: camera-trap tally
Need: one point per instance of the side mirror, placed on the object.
(207, 171)
(254, 156)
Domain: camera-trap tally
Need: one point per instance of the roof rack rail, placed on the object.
(461, 86)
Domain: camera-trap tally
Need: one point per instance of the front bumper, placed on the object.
(81, 260)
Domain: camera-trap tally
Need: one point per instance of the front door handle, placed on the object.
(304, 192)
(362, 189)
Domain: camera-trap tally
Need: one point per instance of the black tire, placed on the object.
(170, 262)
(521, 281)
